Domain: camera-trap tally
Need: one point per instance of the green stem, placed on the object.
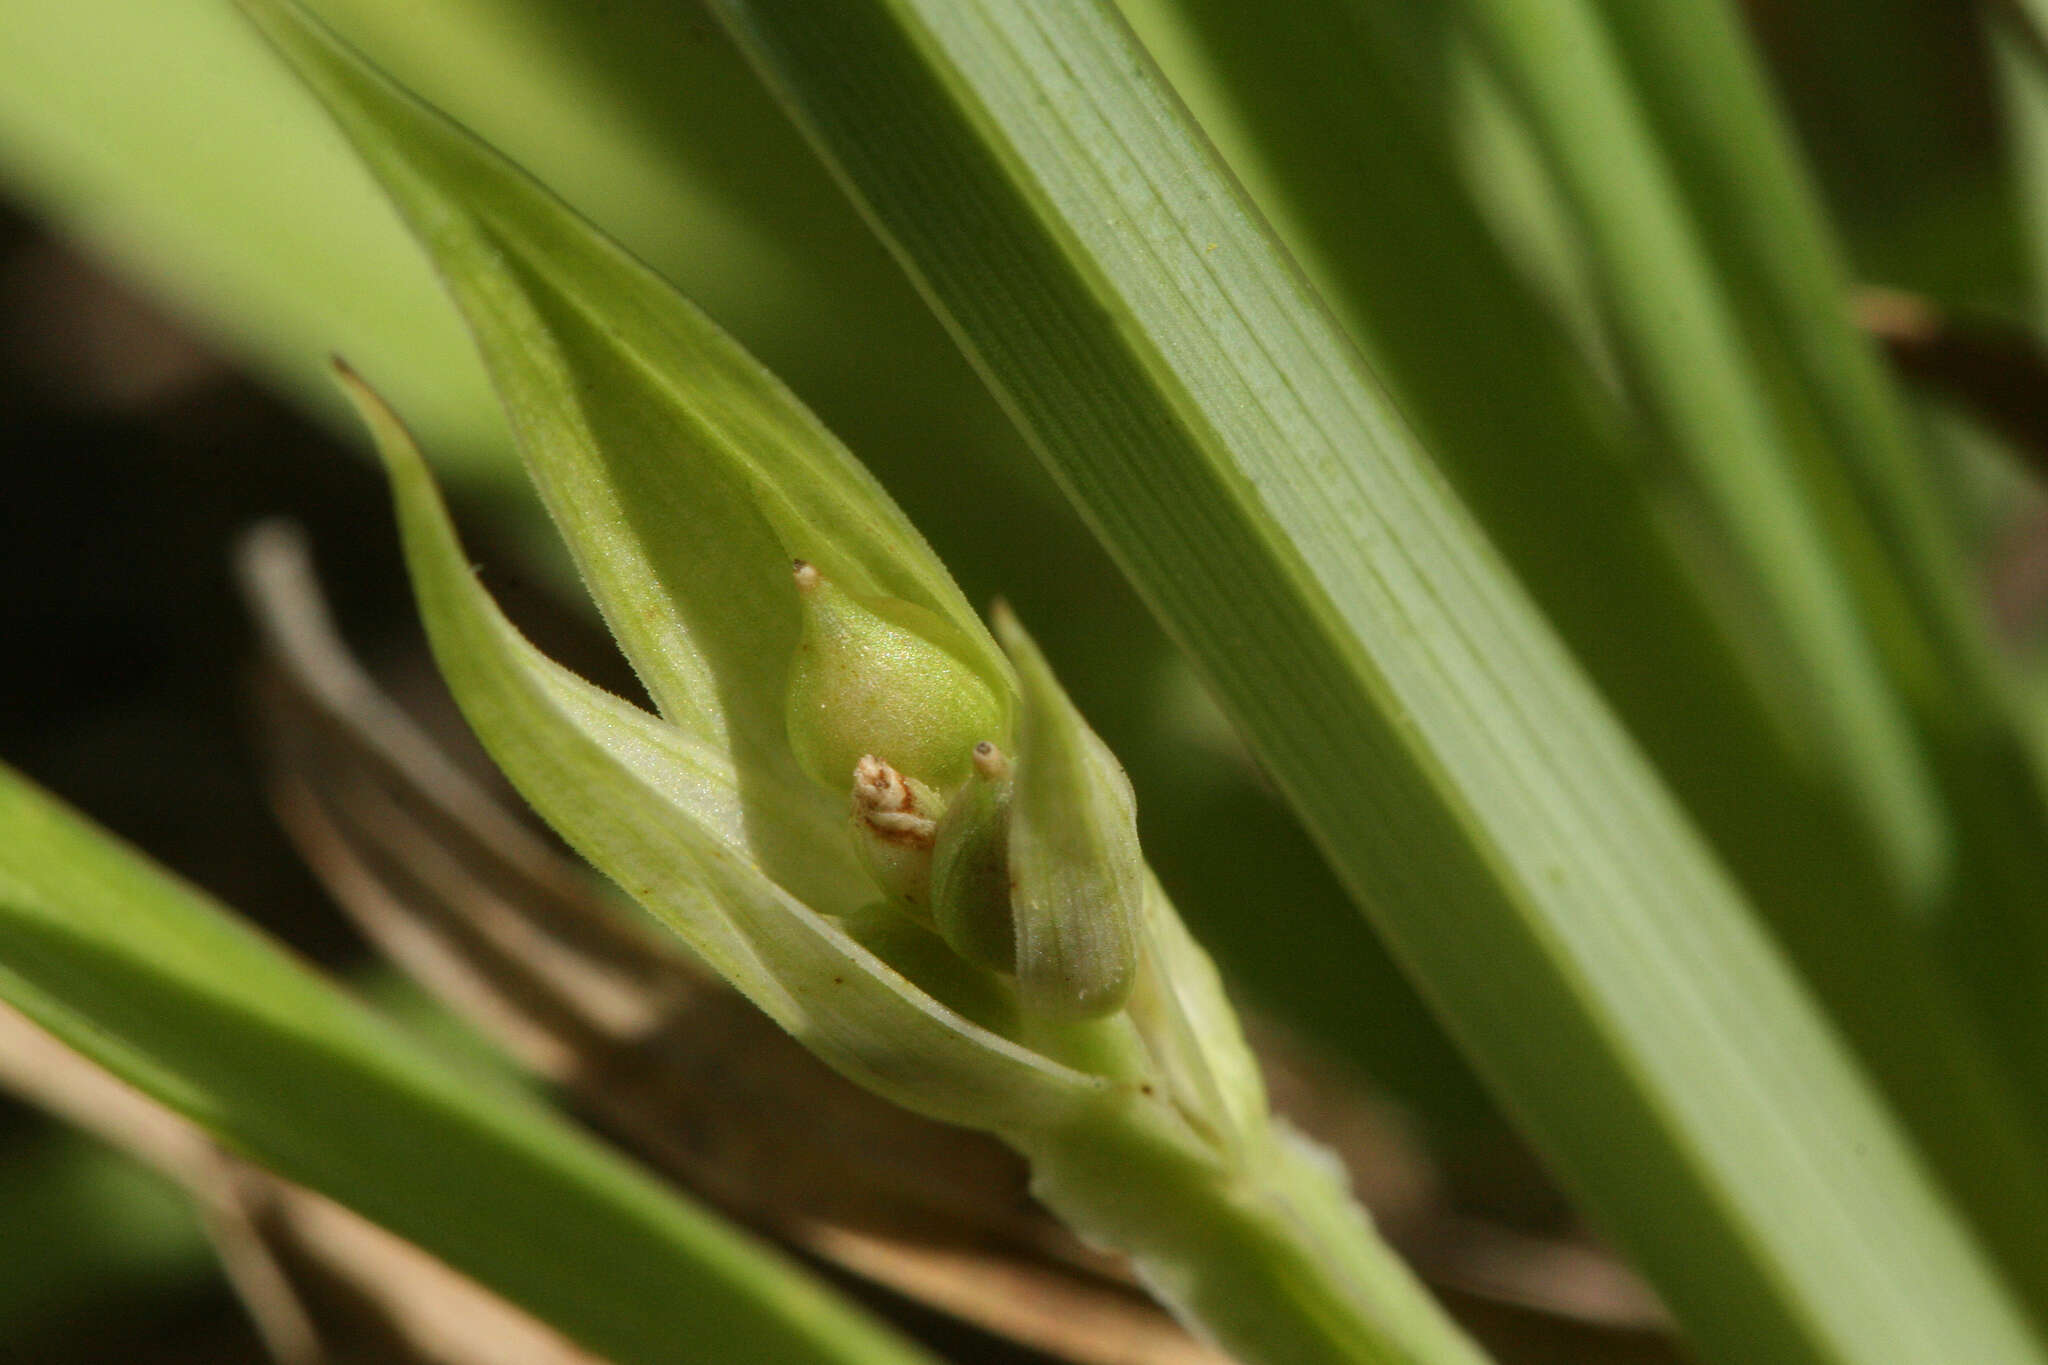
(1265, 1252)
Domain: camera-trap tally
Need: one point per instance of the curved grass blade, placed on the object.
(148, 978)
(1224, 440)
(1336, 115)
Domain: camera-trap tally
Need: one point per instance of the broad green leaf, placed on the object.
(1223, 438)
(150, 979)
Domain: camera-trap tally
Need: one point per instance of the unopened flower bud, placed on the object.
(970, 871)
(872, 676)
(895, 825)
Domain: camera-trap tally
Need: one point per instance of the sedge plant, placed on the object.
(898, 839)
(1708, 817)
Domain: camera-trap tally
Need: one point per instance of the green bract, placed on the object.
(970, 878)
(1075, 866)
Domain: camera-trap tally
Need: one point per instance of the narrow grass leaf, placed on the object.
(1337, 116)
(150, 979)
(1704, 93)
(1682, 344)
(1713, 257)
(1224, 439)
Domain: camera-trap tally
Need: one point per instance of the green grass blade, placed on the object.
(163, 988)
(1703, 93)
(1345, 135)
(1333, 120)
(1719, 269)
(1218, 430)
(1682, 344)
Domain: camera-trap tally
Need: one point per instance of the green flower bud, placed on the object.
(895, 825)
(1077, 872)
(970, 870)
(871, 678)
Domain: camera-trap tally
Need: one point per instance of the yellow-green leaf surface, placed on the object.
(1506, 837)
(171, 993)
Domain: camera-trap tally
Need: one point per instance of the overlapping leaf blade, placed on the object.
(1223, 439)
(147, 977)
(1341, 116)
